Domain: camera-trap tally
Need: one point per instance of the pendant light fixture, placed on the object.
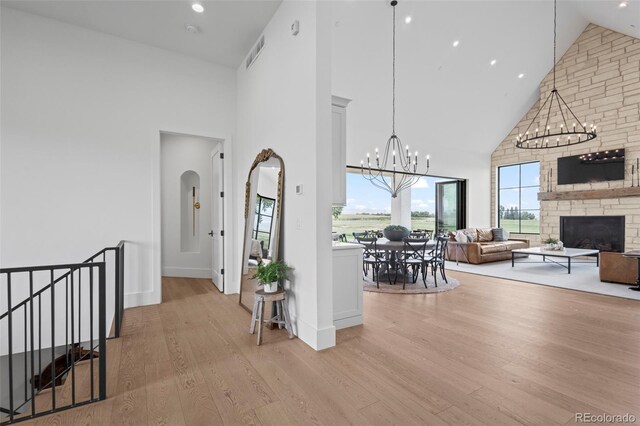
(565, 129)
(403, 172)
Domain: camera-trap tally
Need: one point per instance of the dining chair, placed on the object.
(372, 257)
(413, 252)
(357, 235)
(426, 233)
(436, 261)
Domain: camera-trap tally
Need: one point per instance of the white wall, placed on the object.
(284, 103)
(82, 113)
(182, 153)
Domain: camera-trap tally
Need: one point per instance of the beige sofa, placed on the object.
(483, 249)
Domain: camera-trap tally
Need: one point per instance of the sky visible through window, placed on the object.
(509, 196)
(518, 205)
(363, 197)
(369, 208)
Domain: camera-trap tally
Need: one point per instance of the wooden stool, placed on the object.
(282, 312)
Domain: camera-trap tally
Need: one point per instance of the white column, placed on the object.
(401, 209)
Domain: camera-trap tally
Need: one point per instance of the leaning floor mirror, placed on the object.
(263, 204)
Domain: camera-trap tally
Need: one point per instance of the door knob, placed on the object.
(211, 234)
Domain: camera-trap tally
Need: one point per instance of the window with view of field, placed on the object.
(423, 203)
(518, 205)
(369, 208)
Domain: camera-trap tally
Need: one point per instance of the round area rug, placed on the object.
(411, 288)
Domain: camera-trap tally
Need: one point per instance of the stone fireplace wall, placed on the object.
(599, 77)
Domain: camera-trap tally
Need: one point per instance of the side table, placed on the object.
(460, 247)
(281, 317)
(636, 254)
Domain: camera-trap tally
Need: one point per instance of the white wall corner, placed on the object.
(318, 339)
(132, 300)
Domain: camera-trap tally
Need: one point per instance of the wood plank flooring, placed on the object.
(491, 352)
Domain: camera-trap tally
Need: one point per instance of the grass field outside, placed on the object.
(531, 226)
(350, 223)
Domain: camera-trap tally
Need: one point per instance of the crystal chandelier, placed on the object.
(404, 166)
(538, 136)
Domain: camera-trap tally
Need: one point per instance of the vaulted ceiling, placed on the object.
(446, 95)
(451, 98)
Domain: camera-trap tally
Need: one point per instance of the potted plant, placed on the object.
(552, 244)
(395, 232)
(270, 274)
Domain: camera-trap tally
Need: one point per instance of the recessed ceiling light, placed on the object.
(493, 62)
(407, 20)
(623, 4)
(456, 43)
(197, 7)
(520, 75)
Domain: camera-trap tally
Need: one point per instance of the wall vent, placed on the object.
(255, 51)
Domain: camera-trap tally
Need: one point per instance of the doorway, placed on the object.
(191, 182)
(451, 206)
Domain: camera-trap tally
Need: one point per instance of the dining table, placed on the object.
(393, 247)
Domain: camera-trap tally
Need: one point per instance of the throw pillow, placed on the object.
(485, 235)
(452, 236)
(461, 237)
(500, 234)
(472, 234)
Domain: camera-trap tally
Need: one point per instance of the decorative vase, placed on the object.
(270, 287)
(395, 235)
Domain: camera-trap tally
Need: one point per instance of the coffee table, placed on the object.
(567, 253)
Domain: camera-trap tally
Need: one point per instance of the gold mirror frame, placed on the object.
(263, 156)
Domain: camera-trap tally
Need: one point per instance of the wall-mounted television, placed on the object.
(598, 166)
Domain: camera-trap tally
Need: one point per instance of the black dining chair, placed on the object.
(436, 260)
(372, 258)
(357, 235)
(413, 257)
(423, 233)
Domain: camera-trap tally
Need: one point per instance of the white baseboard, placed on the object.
(348, 322)
(318, 339)
(131, 300)
(175, 271)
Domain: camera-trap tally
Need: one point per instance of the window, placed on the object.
(425, 201)
(368, 208)
(263, 220)
(518, 205)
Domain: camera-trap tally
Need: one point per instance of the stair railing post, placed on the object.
(102, 333)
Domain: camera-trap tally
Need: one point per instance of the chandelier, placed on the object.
(538, 136)
(404, 166)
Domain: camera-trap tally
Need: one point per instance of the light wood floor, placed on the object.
(491, 352)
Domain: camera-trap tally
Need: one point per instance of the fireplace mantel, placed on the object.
(590, 194)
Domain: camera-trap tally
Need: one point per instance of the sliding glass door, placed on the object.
(451, 209)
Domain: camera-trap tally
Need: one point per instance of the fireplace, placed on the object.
(605, 233)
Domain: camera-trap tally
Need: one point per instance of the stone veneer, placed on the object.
(599, 78)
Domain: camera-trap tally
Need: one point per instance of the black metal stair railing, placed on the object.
(61, 322)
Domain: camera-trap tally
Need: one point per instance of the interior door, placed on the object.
(450, 206)
(217, 217)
